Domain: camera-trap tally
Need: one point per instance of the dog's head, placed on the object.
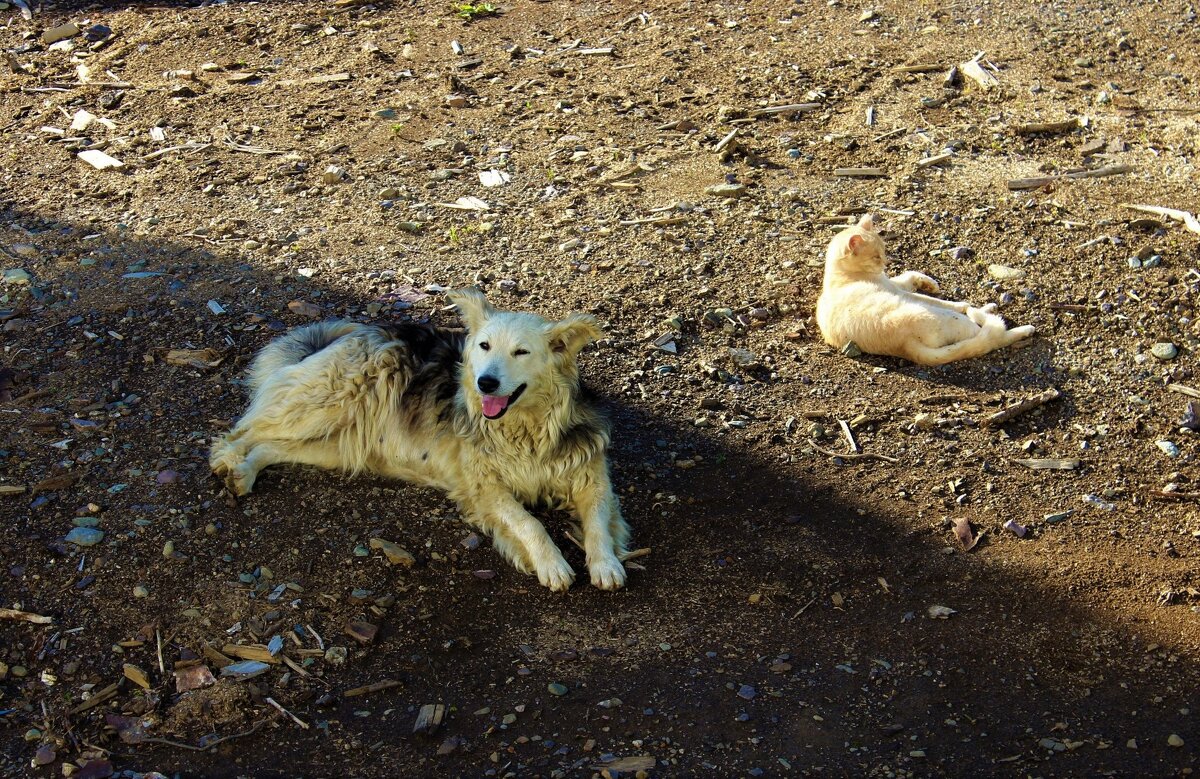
(515, 360)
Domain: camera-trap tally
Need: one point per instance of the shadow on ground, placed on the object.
(780, 623)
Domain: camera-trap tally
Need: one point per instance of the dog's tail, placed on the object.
(294, 347)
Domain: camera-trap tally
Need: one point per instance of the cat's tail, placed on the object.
(990, 337)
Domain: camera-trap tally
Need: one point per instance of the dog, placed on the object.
(890, 316)
(495, 416)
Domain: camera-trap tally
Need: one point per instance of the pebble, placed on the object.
(395, 554)
(554, 688)
(852, 350)
(141, 591)
(1174, 740)
(17, 276)
(747, 692)
(361, 551)
(33, 734)
(1168, 448)
(45, 755)
(333, 175)
(85, 536)
(1164, 350)
(729, 191)
(1005, 273)
(168, 549)
(85, 522)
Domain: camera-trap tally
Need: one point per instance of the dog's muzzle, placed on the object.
(494, 406)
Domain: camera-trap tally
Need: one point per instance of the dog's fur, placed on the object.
(890, 316)
(406, 402)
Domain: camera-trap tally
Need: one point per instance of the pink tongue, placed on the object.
(494, 404)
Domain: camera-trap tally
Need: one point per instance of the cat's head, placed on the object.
(858, 249)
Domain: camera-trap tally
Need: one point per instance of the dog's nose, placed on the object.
(488, 383)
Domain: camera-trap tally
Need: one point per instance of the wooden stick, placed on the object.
(1183, 389)
(287, 713)
(853, 456)
(1033, 128)
(804, 608)
(798, 108)
(860, 173)
(1041, 181)
(386, 684)
(25, 616)
(1000, 417)
(726, 141)
(1165, 495)
(1189, 221)
(925, 68)
(849, 434)
(97, 698)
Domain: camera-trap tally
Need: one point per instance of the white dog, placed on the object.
(889, 316)
(495, 416)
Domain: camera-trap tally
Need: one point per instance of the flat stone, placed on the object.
(362, 632)
(728, 191)
(554, 688)
(1165, 350)
(1005, 273)
(395, 554)
(85, 536)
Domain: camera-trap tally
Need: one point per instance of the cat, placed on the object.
(890, 316)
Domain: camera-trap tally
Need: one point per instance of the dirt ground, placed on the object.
(285, 161)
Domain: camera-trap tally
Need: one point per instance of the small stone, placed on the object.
(168, 550)
(17, 276)
(1168, 448)
(746, 692)
(362, 632)
(45, 755)
(609, 703)
(1005, 273)
(141, 591)
(1164, 350)
(554, 688)
(334, 175)
(33, 734)
(395, 554)
(728, 191)
(851, 350)
(84, 536)
(361, 551)
(1174, 740)
(456, 101)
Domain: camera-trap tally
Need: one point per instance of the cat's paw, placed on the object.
(1020, 333)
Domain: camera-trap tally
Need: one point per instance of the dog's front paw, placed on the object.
(239, 480)
(607, 574)
(554, 572)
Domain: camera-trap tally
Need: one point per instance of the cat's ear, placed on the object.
(867, 222)
(855, 243)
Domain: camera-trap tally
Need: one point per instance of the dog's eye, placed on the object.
(520, 352)
(484, 345)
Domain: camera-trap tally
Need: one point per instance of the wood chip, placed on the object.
(1034, 128)
(790, 108)
(860, 173)
(97, 698)
(251, 652)
(977, 73)
(429, 718)
(99, 160)
(1050, 464)
(136, 675)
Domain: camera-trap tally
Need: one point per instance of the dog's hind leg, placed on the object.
(240, 477)
(604, 532)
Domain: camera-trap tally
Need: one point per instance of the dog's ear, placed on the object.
(472, 306)
(573, 333)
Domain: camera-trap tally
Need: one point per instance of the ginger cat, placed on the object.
(889, 316)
